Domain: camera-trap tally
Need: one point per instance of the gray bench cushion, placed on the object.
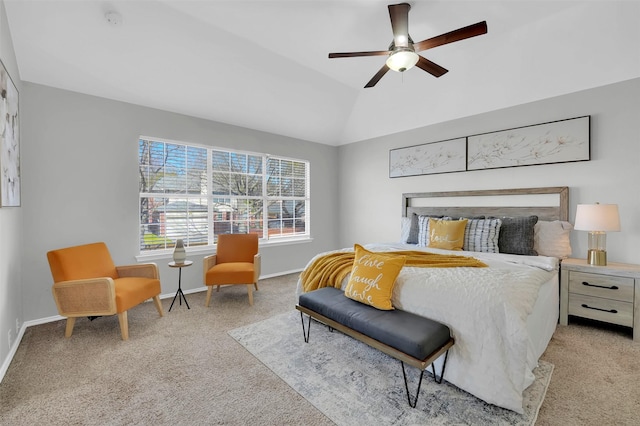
(412, 334)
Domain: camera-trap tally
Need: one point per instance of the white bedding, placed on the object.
(490, 311)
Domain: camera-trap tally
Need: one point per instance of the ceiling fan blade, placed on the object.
(455, 35)
(376, 78)
(399, 14)
(354, 54)
(430, 67)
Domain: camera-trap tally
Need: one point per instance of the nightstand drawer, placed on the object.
(598, 285)
(608, 310)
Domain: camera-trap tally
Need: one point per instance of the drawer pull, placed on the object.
(613, 287)
(611, 311)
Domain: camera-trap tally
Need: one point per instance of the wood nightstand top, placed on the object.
(612, 268)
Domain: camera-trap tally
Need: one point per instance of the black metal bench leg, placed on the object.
(406, 386)
(305, 334)
(413, 403)
(444, 364)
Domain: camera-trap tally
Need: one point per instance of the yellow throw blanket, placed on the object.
(330, 269)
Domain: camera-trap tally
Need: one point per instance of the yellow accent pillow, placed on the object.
(447, 234)
(373, 276)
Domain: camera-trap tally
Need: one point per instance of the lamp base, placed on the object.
(597, 257)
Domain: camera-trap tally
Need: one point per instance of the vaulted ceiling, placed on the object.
(263, 64)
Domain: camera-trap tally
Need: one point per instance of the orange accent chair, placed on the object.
(236, 261)
(87, 283)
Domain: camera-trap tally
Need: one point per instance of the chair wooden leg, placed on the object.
(250, 287)
(156, 301)
(256, 285)
(124, 325)
(71, 321)
(218, 288)
(208, 299)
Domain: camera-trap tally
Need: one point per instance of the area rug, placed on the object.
(354, 384)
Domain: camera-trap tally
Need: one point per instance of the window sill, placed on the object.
(207, 250)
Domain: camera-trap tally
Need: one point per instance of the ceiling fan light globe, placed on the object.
(402, 60)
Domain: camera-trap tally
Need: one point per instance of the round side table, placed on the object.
(179, 293)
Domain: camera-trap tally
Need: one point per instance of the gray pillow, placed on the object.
(413, 230)
(516, 235)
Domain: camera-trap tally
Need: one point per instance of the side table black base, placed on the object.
(179, 293)
(180, 296)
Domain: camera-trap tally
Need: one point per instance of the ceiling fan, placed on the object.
(402, 51)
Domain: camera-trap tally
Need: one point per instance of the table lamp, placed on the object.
(597, 219)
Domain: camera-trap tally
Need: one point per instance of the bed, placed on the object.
(503, 316)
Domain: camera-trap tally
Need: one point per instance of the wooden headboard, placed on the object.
(550, 203)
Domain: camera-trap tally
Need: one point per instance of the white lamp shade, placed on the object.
(597, 217)
(402, 60)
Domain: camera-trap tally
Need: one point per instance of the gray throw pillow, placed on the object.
(413, 230)
(516, 235)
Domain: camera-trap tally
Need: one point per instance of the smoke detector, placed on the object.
(113, 18)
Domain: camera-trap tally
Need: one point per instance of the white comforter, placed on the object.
(486, 310)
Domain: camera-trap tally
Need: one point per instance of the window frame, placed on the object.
(266, 238)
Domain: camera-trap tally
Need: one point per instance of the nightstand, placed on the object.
(605, 293)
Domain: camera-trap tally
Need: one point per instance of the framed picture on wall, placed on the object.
(429, 158)
(554, 142)
(9, 141)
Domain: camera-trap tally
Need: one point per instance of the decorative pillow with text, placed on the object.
(423, 229)
(373, 277)
(447, 234)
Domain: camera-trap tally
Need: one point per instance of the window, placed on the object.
(196, 193)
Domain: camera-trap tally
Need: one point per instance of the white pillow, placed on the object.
(423, 231)
(405, 228)
(551, 238)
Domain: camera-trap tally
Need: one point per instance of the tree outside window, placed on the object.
(196, 193)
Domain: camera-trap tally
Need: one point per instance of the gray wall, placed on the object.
(79, 180)
(10, 227)
(611, 176)
(80, 183)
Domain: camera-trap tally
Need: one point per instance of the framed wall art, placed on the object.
(555, 142)
(9, 141)
(429, 158)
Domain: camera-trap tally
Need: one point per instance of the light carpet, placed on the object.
(354, 384)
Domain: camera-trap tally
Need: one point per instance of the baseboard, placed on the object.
(16, 343)
(204, 288)
(195, 290)
(44, 320)
(279, 274)
(12, 352)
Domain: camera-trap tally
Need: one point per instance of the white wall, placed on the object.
(370, 202)
(516, 62)
(80, 183)
(10, 227)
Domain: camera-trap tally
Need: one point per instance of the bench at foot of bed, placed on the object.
(410, 338)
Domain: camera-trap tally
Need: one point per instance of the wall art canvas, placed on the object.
(430, 158)
(556, 142)
(10, 142)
